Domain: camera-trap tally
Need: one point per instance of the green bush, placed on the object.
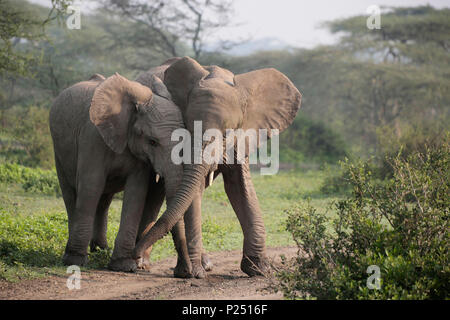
(414, 137)
(33, 180)
(307, 139)
(400, 225)
(29, 142)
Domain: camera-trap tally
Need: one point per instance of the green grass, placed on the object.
(33, 226)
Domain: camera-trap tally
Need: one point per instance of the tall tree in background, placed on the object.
(397, 75)
(169, 27)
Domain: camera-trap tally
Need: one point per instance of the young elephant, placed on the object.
(199, 260)
(111, 135)
(261, 99)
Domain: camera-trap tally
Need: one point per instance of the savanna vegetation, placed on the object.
(368, 151)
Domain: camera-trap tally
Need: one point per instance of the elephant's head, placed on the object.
(262, 99)
(127, 113)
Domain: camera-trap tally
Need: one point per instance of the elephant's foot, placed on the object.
(123, 264)
(143, 264)
(255, 266)
(72, 259)
(198, 271)
(206, 262)
(183, 269)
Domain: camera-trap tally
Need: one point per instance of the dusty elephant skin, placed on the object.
(261, 99)
(111, 135)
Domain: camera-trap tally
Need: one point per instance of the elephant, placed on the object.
(111, 135)
(198, 267)
(261, 99)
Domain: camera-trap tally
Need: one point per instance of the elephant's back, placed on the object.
(69, 114)
(71, 106)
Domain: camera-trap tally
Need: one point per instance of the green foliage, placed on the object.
(312, 140)
(99, 259)
(214, 234)
(30, 242)
(336, 182)
(18, 21)
(372, 80)
(400, 225)
(31, 245)
(33, 180)
(15, 23)
(414, 137)
(404, 31)
(32, 145)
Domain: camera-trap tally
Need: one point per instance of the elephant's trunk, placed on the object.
(193, 177)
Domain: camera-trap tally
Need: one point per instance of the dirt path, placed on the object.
(225, 282)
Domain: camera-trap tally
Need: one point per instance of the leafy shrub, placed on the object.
(414, 137)
(400, 225)
(32, 180)
(336, 181)
(31, 143)
(309, 139)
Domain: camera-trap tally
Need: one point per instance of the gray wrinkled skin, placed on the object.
(111, 135)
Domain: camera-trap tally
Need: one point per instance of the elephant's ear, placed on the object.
(158, 87)
(272, 101)
(181, 77)
(112, 104)
(97, 77)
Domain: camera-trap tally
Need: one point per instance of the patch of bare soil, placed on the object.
(225, 282)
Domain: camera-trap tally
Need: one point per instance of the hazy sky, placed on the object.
(296, 21)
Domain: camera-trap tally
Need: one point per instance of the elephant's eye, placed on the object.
(152, 142)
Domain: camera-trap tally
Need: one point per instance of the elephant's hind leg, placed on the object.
(99, 239)
(69, 196)
(183, 269)
(81, 222)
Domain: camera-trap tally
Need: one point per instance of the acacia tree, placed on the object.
(398, 74)
(167, 26)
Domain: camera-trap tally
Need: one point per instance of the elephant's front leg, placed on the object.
(134, 199)
(242, 196)
(153, 203)
(193, 221)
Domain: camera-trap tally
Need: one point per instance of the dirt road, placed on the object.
(225, 282)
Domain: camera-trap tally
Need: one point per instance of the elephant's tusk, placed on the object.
(157, 178)
(211, 178)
